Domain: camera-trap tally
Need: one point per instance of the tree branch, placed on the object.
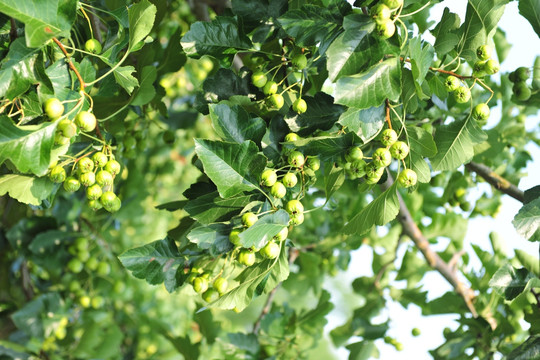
(497, 181)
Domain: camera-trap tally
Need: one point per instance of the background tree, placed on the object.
(262, 141)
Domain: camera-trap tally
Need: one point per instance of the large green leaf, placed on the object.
(43, 19)
(380, 211)
(527, 220)
(210, 208)
(233, 123)
(529, 350)
(141, 19)
(421, 56)
(264, 229)
(321, 114)
(530, 9)
(366, 123)
(146, 91)
(234, 168)
(220, 38)
(421, 145)
(213, 236)
(224, 84)
(157, 262)
(445, 37)
(511, 282)
(333, 179)
(28, 147)
(371, 87)
(479, 26)
(254, 281)
(17, 70)
(326, 147)
(26, 189)
(455, 143)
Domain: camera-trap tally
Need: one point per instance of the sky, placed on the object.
(525, 47)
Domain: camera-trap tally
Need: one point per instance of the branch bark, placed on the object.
(497, 181)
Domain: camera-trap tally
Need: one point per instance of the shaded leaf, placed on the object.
(213, 236)
(210, 208)
(26, 189)
(321, 114)
(233, 123)
(366, 123)
(511, 282)
(141, 19)
(421, 145)
(266, 227)
(527, 220)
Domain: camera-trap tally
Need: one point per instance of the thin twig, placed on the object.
(68, 60)
(387, 117)
(497, 181)
(13, 30)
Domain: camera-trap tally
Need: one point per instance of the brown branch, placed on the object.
(497, 181)
(68, 60)
(12, 30)
(434, 260)
(387, 117)
(441, 70)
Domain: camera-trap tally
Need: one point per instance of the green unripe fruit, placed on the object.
(289, 180)
(313, 163)
(98, 302)
(381, 157)
(67, 128)
(354, 153)
(276, 101)
(393, 4)
(60, 139)
(113, 167)
(522, 74)
(249, 218)
(278, 190)
(58, 174)
(381, 13)
(296, 159)
(388, 137)
(373, 171)
(415, 332)
(296, 219)
(103, 269)
(85, 301)
(85, 165)
(246, 257)
(373, 180)
(168, 137)
(407, 178)
(93, 46)
(491, 67)
(107, 199)
(299, 61)
(221, 285)
(200, 285)
(92, 263)
(291, 137)
(93, 192)
(462, 94)
(258, 79)
(81, 243)
(282, 235)
(481, 112)
(399, 150)
(299, 106)
(87, 179)
(465, 205)
(452, 83)
(104, 178)
(386, 29)
(86, 121)
(270, 250)
(234, 237)
(357, 168)
(95, 205)
(71, 184)
(75, 266)
(115, 206)
(53, 108)
(294, 207)
(484, 52)
(479, 68)
(521, 91)
(271, 87)
(100, 159)
(268, 177)
(210, 295)
(512, 77)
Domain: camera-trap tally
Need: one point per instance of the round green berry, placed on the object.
(268, 177)
(115, 206)
(85, 165)
(296, 159)
(67, 128)
(246, 257)
(399, 150)
(103, 268)
(282, 235)
(289, 180)
(393, 4)
(385, 29)
(113, 167)
(481, 112)
(100, 159)
(221, 285)
(271, 250)
(71, 184)
(294, 207)
(86, 121)
(462, 94)
(407, 178)
(521, 91)
(313, 163)
(299, 61)
(93, 192)
(53, 108)
(95, 205)
(57, 174)
(87, 179)
(522, 74)
(210, 295)
(93, 46)
(200, 284)
(491, 67)
(354, 153)
(234, 237)
(299, 106)
(104, 178)
(381, 157)
(276, 101)
(296, 219)
(484, 52)
(258, 79)
(271, 87)
(452, 83)
(388, 137)
(278, 190)
(249, 218)
(107, 199)
(381, 13)
(291, 137)
(75, 265)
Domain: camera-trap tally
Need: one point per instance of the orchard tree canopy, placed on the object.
(189, 179)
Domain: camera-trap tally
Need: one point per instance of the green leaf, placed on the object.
(26, 189)
(124, 78)
(529, 350)
(479, 26)
(28, 147)
(220, 38)
(527, 220)
(264, 229)
(17, 70)
(214, 237)
(30, 317)
(141, 19)
(321, 114)
(233, 123)
(326, 147)
(421, 145)
(267, 273)
(371, 87)
(224, 84)
(156, 262)
(210, 208)
(174, 57)
(455, 143)
(357, 325)
(511, 282)
(363, 350)
(234, 168)
(421, 58)
(380, 211)
(530, 10)
(529, 261)
(445, 37)
(43, 19)
(146, 91)
(366, 123)
(333, 181)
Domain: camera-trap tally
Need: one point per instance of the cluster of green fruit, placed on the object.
(520, 89)
(59, 333)
(274, 99)
(201, 284)
(356, 167)
(384, 15)
(485, 64)
(97, 174)
(66, 129)
(458, 198)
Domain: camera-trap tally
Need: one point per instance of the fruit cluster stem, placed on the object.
(71, 66)
(387, 117)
